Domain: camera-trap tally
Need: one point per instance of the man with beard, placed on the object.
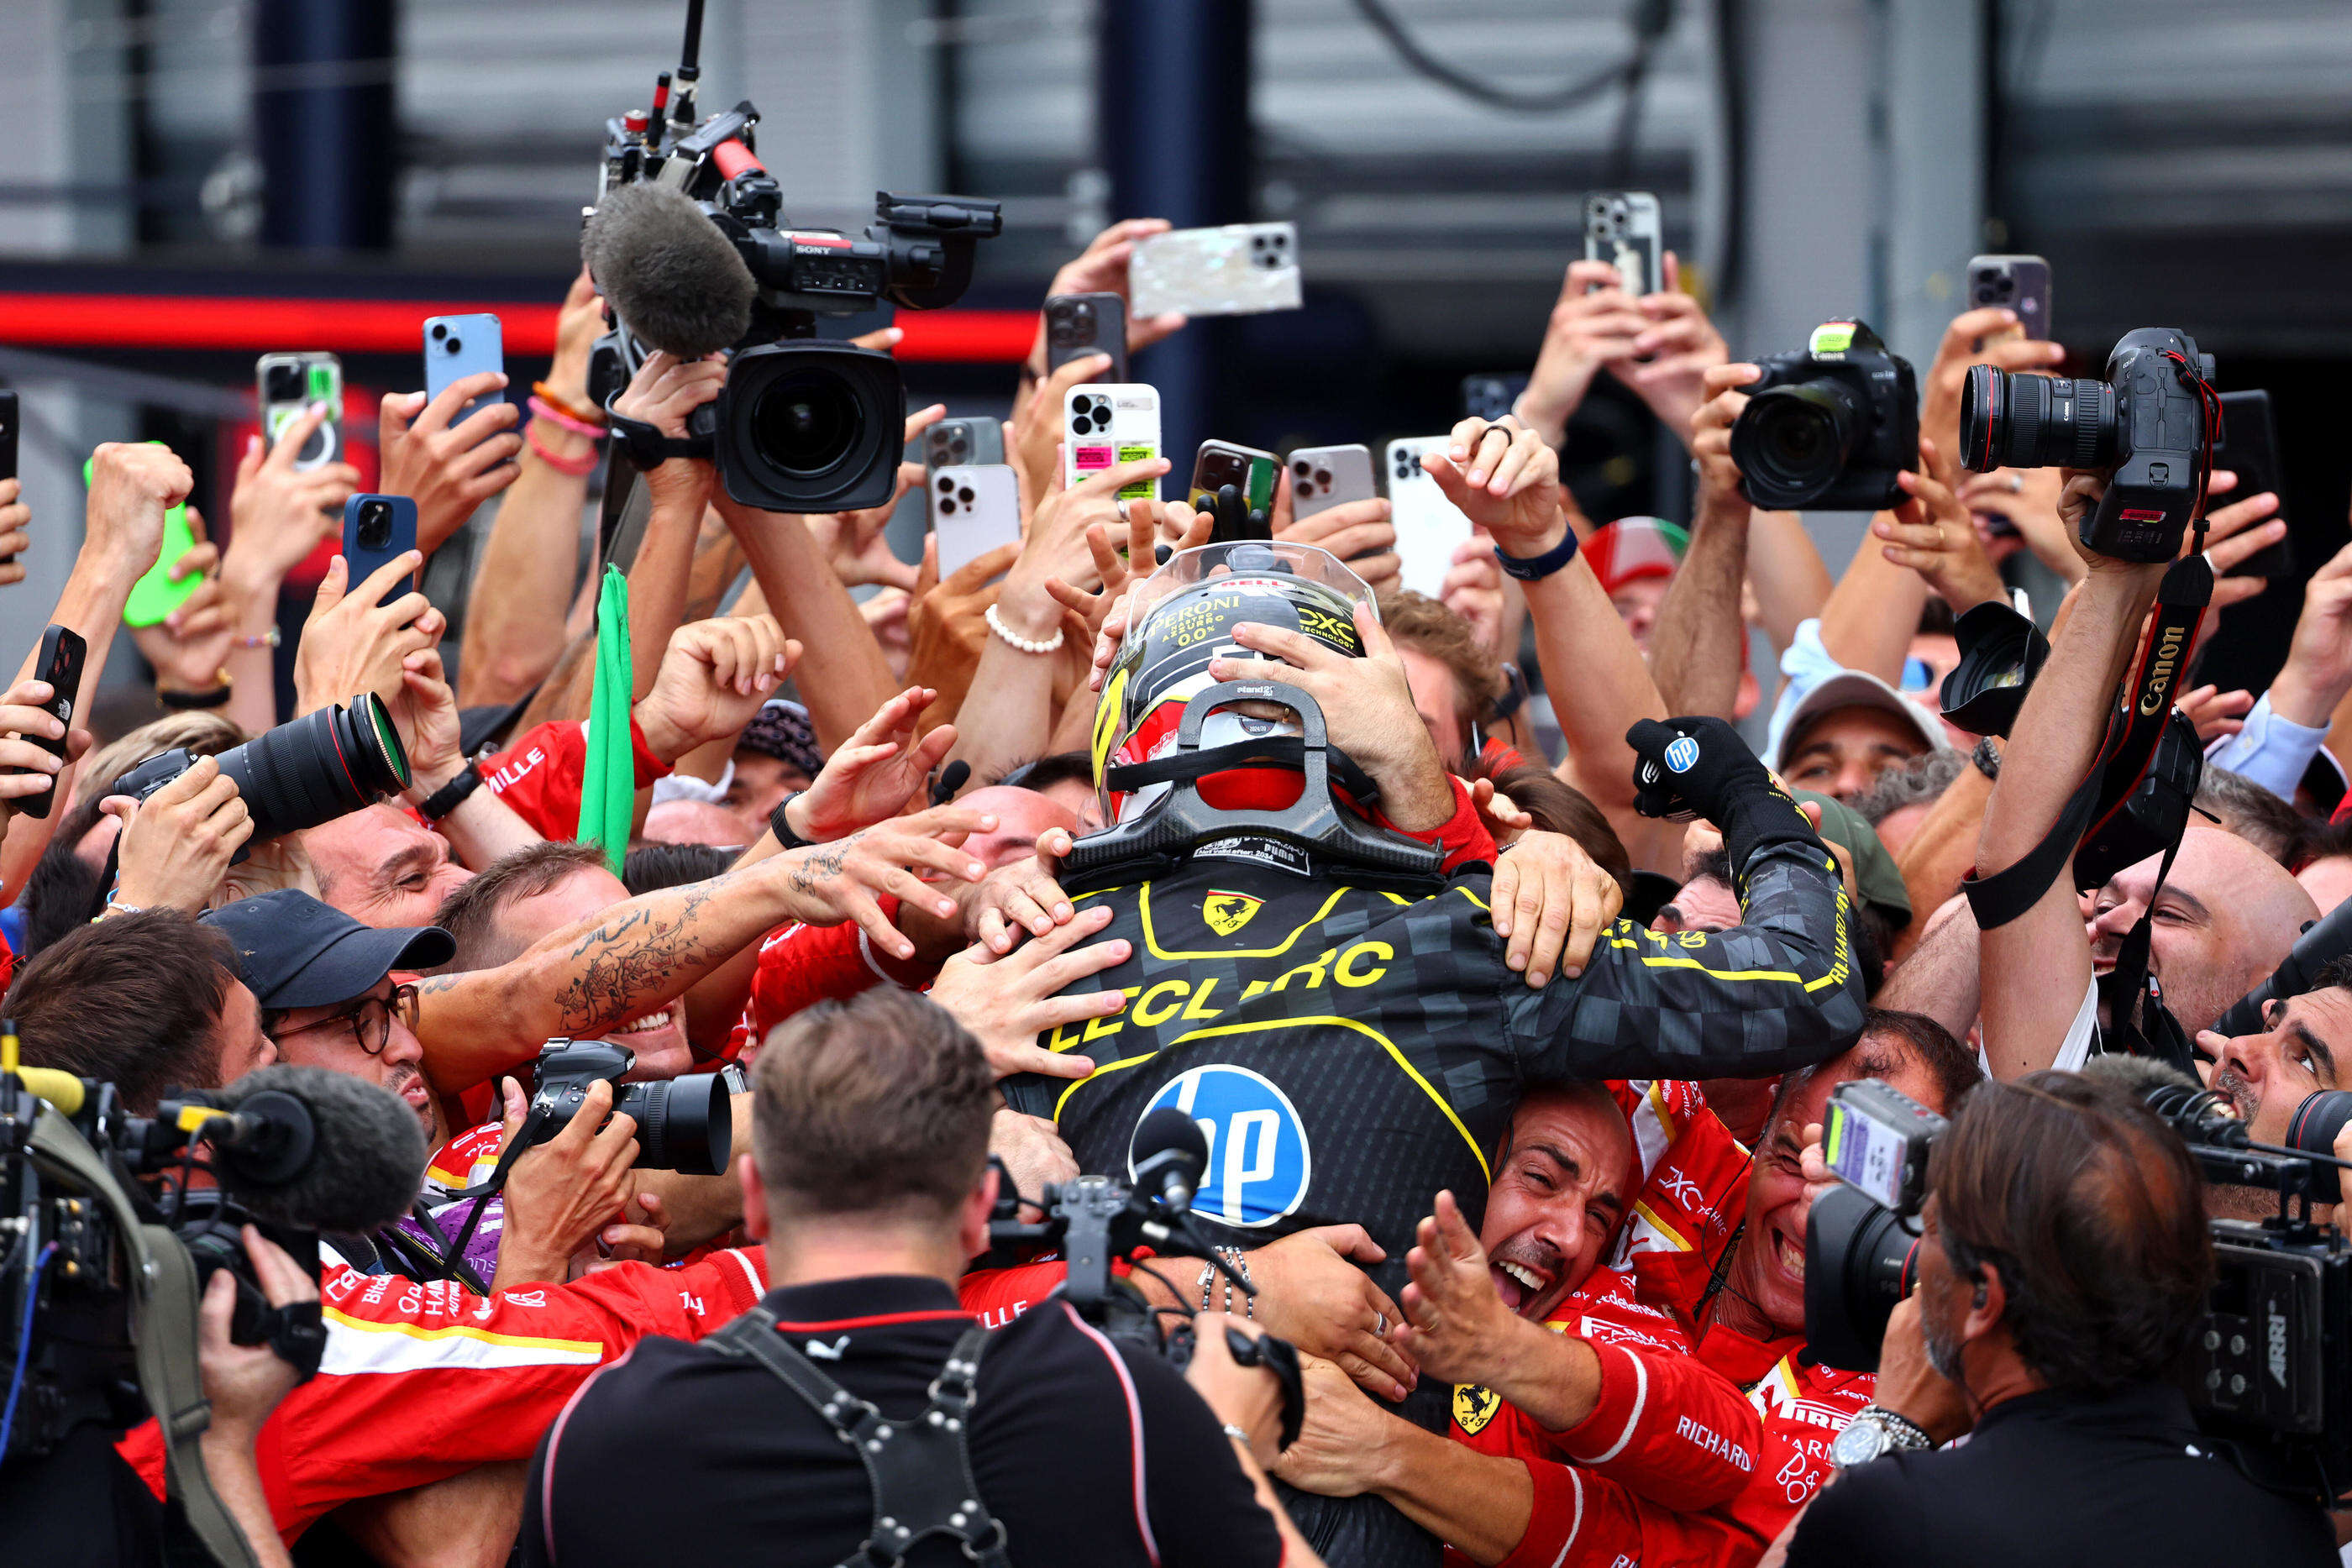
(2063, 1268)
(1714, 1256)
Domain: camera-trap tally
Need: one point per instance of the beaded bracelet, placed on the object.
(564, 417)
(578, 467)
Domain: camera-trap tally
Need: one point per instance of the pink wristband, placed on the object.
(576, 467)
(547, 411)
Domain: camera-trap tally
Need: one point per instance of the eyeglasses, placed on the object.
(370, 1020)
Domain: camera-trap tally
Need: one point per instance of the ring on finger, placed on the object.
(1120, 503)
(1380, 1325)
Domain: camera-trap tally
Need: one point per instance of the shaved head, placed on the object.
(2225, 918)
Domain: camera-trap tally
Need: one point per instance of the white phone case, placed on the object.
(1322, 477)
(1241, 269)
(975, 506)
(1429, 528)
(1106, 425)
(1624, 229)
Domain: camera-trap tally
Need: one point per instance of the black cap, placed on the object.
(296, 952)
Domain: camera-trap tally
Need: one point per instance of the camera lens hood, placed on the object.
(2001, 653)
(1860, 1260)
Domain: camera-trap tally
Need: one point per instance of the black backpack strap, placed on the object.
(917, 1490)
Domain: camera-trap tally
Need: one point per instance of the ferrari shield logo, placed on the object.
(1473, 1405)
(1226, 912)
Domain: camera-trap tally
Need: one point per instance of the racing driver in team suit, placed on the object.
(1341, 1021)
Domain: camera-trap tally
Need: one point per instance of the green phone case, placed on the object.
(155, 595)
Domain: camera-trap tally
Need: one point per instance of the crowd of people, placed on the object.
(1511, 1077)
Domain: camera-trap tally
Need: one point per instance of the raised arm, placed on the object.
(2043, 956)
(1696, 644)
(845, 677)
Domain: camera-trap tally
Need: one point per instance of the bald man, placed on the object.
(2224, 919)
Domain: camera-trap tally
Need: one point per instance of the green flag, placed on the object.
(608, 791)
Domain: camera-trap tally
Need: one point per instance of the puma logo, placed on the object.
(820, 1351)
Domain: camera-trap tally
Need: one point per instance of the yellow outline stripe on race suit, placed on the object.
(1667, 961)
(1143, 905)
(1682, 1243)
(1386, 1044)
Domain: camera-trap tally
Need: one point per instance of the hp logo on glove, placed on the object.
(1259, 1163)
(1683, 755)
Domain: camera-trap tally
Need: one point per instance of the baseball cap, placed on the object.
(1634, 548)
(293, 951)
(1876, 879)
(1855, 688)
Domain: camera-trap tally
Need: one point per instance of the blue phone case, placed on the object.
(458, 346)
(386, 538)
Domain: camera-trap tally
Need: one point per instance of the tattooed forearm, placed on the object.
(636, 963)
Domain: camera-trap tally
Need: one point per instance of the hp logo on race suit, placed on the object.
(1683, 755)
(1259, 1163)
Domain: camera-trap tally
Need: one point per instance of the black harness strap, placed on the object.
(921, 1472)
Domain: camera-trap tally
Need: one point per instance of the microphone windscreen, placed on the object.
(1168, 1131)
(367, 1159)
(669, 274)
(2138, 1076)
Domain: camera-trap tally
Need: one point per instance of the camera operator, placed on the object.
(2065, 1268)
(870, 1175)
(243, 1384)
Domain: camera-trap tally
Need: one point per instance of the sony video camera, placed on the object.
(1830, 428)
(802, 425)
(2269, 1371)
(2151, 423)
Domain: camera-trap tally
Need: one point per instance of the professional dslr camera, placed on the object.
(2152, 422)
(683, 1125)
(328, 763)
(2269, 1372)
(802, 425)
(1828, 428)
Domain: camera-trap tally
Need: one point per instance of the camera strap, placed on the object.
(647, 448)
(920, 1470)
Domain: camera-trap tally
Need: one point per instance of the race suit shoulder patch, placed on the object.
(1225, 912)
(1475, 1405)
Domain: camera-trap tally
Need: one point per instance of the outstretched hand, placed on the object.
(872, 776)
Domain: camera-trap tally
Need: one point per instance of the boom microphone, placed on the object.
(315, 1150)
(670, 275)
(1168, 1153)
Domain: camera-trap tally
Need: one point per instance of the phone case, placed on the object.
(2249, 448)
(1429, 528)
(975, 506)
(8, 414)
(1241, 269)
(2019, 282)
(376, 530)
(964, 441)
(1248, 470)
(155, 595)
(288, 384)
(1105, 424)
(1322, 477)
(1078, 325)
(457, 347)
(1624, 228)
(58, 662)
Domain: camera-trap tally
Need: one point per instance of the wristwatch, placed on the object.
(1872, 1433)
(782, 829)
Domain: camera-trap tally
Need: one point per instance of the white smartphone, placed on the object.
(975, 506)
(1624, 228)
(1322, 477)
(1105, 425)
(1429, 528)
(1240, 269)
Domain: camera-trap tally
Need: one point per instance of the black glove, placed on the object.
(1700, 767)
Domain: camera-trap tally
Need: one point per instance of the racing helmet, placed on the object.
(1182, 617)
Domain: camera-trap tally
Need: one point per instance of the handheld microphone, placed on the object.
(1169, 1154)
(670, 275)
(310, 1149)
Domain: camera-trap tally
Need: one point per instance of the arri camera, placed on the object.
(802, 425)
(2151, 423)
(1828, 428)
(2269, 1370)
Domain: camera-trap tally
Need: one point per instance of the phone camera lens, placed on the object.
(946, 484)
(1300, 468)
(946, 507)
(439, 331)
(1323, 477)
(456, 345)
(966, 496)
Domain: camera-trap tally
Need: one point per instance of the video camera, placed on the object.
(1828, 428)
(1094, 1221)
(2151, 423)
(2269, 1370)
(802, 425)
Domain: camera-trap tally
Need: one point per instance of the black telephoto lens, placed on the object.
(1792, 442)
(2313, 1130)
(2019, 420)
(326, 763)
(684, 1124)
(1859, 1263)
